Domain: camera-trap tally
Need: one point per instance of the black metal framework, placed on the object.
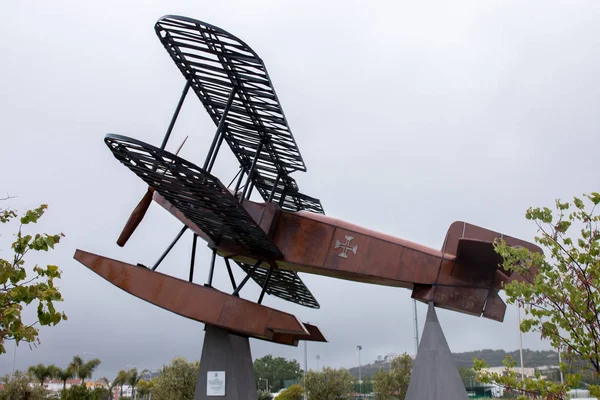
(198, 195)
(284, 284)
(162, 257)
(208, 204)
(194, 240)
(232, 82)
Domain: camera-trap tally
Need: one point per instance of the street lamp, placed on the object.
(318, 358)
(359, 372)
(267, 383)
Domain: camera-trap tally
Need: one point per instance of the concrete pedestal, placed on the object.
(434, 375)
(225, 357)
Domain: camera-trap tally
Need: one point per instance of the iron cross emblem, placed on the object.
(345, 247)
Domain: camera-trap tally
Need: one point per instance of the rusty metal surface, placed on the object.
(201, 303)
(464, 276)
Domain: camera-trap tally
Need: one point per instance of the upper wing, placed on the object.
(217, 62)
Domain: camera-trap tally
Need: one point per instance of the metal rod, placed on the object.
(520, 342)
(305, 368)
(239, 182)
(214, 157)
(236, 175)
(250, 191)
(251, 172)
(219, 127)
(243, 282)
(282, 198)
(193, 257)
(230, 272)
(212, 267)
(416, 322)
(562, 379)
(176, 114)
(274, 187)
(170, 247)
(265, 285)
(359, 371)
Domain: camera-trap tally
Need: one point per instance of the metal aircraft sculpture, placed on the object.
(287, 232)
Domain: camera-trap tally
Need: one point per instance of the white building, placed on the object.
(56, 385)
(127, 391)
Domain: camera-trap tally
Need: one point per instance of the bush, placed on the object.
(20, 387)
(294, 392)
(80, 392)
(262, 395)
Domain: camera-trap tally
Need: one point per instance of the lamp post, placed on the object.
(318, 358)
(14, 359)
(267, 383)
(359, 372)
(520, 342)
(416, 326)
(305, 369)
(562, 379)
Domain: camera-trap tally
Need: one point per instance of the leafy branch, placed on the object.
(559, 293)
(17, 290)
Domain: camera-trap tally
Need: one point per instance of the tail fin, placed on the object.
(470, 283)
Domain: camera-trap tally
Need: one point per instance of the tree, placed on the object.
(145, 388)
(133, 378)
(121, 379)
(177, 381)
(109, 388)
(330, 384)
(394, 383)
(276, 371)
(559, 293)
(18, 290)
(42, 372)
(294, 392)
(20, 387)
(80, 392)
(467, 375)
(65, 374)
(85, 369)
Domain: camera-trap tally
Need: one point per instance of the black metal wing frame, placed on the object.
(233, 84)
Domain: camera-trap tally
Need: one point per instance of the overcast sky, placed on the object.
(409, 115)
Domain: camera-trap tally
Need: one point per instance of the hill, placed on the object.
(494, 358)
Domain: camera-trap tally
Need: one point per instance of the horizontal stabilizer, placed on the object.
(471, 278)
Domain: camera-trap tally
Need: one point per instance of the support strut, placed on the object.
(230, 274)
(193, 257)
(265, 285)
(170, 247)
(246, 278)
(251, 171)
(176, 114)
(219, 132)
(212, 268)
(274, 187)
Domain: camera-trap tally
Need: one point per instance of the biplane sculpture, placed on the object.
(284, 233)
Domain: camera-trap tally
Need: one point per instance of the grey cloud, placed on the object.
(409, 116)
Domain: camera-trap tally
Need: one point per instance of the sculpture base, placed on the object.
(434, 375)
(226, 371)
